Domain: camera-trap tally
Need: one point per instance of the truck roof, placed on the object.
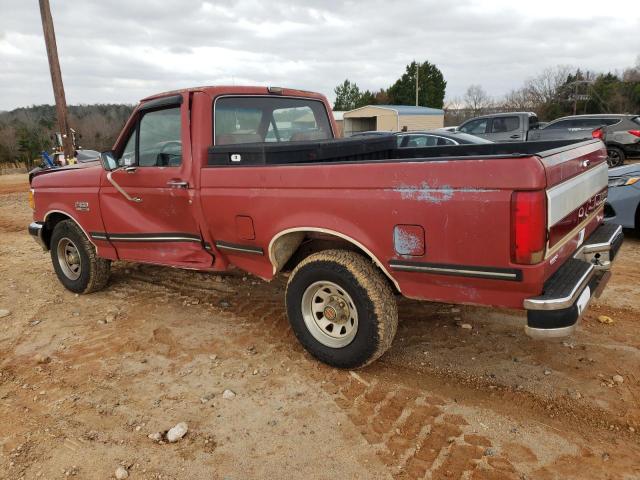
(215, 90)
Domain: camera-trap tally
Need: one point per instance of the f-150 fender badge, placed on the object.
(82, 206)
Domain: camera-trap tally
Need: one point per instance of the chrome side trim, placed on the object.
(452, 270)
(561, 302)
(567, 196)
(330, 232)
(239, 248)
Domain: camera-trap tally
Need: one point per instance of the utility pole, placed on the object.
(417, 83)
(56, 79)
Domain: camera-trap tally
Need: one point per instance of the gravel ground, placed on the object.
(84, 381)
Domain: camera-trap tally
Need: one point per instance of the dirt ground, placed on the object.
(85, 379)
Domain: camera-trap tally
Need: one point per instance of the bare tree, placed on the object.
(476, 99)
(519, 100)
(547, 87)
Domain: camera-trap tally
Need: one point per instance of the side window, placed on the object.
(128, 156)
(160, 141)
(445, 141)
(505, 124)
(475, 127)
(559, 125)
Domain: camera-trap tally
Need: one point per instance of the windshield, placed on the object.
(636, 120)
(269, 119)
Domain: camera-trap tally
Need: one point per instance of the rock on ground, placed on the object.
(121, 473)
(177, 432)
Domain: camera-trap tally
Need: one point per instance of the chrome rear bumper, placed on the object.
(566, 295)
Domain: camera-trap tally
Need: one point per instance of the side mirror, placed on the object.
(108, 160)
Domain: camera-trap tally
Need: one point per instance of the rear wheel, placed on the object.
(615, 156)
(341, 308)
(75, 260)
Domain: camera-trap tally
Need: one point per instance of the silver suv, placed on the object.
(622, 132)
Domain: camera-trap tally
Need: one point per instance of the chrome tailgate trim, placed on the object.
(567, 196)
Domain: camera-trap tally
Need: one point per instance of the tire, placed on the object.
(75, 261)
(615, 156)
(348, 288)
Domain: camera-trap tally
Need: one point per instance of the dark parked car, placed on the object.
(623, 202)
(622, 133)
(436, 138)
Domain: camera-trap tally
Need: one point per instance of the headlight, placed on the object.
(622, 181)
(32, 199)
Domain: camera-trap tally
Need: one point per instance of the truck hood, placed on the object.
(37, 172)
(79, 175)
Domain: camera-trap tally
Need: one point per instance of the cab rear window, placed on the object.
(250, 119)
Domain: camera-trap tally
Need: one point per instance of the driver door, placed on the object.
(148, 205)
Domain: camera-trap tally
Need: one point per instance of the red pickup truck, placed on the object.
(252, 177)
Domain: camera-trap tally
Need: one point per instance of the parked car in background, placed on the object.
(502, 127)
(623, 200)
(622, 133)
(435, 138)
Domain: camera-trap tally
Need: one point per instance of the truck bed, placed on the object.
(373, 149)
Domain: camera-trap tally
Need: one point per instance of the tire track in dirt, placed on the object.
(411, 432)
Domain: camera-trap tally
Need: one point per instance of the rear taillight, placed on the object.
(598, 133)
(634, 132)
(529, 226)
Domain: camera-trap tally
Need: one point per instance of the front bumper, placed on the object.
(567, 293)
(35, 230)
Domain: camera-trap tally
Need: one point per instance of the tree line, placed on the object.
(431, 90)
(26, 132)
(552, 93)
(556, 92)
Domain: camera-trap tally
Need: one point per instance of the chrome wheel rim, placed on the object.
(613, 158)
(69, 259)
(330, 314)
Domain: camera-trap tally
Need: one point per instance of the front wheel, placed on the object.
(341, 308)
(615, 156)
(75, 260)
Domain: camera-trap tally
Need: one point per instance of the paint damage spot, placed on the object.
(408, 240)
(426, 193)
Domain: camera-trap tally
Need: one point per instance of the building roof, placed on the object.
(406, 109)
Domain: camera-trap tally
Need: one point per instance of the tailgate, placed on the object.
(577, 177)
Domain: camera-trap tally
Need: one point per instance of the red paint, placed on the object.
(464, 208)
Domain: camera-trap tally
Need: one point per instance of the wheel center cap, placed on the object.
(330, 313)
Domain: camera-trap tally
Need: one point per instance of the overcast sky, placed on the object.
(123, 50)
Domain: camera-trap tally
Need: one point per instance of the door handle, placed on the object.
(130, 169)
(514, 136)
(178, 184)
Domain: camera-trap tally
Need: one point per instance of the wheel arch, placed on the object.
(52, 218)
(284, 245)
